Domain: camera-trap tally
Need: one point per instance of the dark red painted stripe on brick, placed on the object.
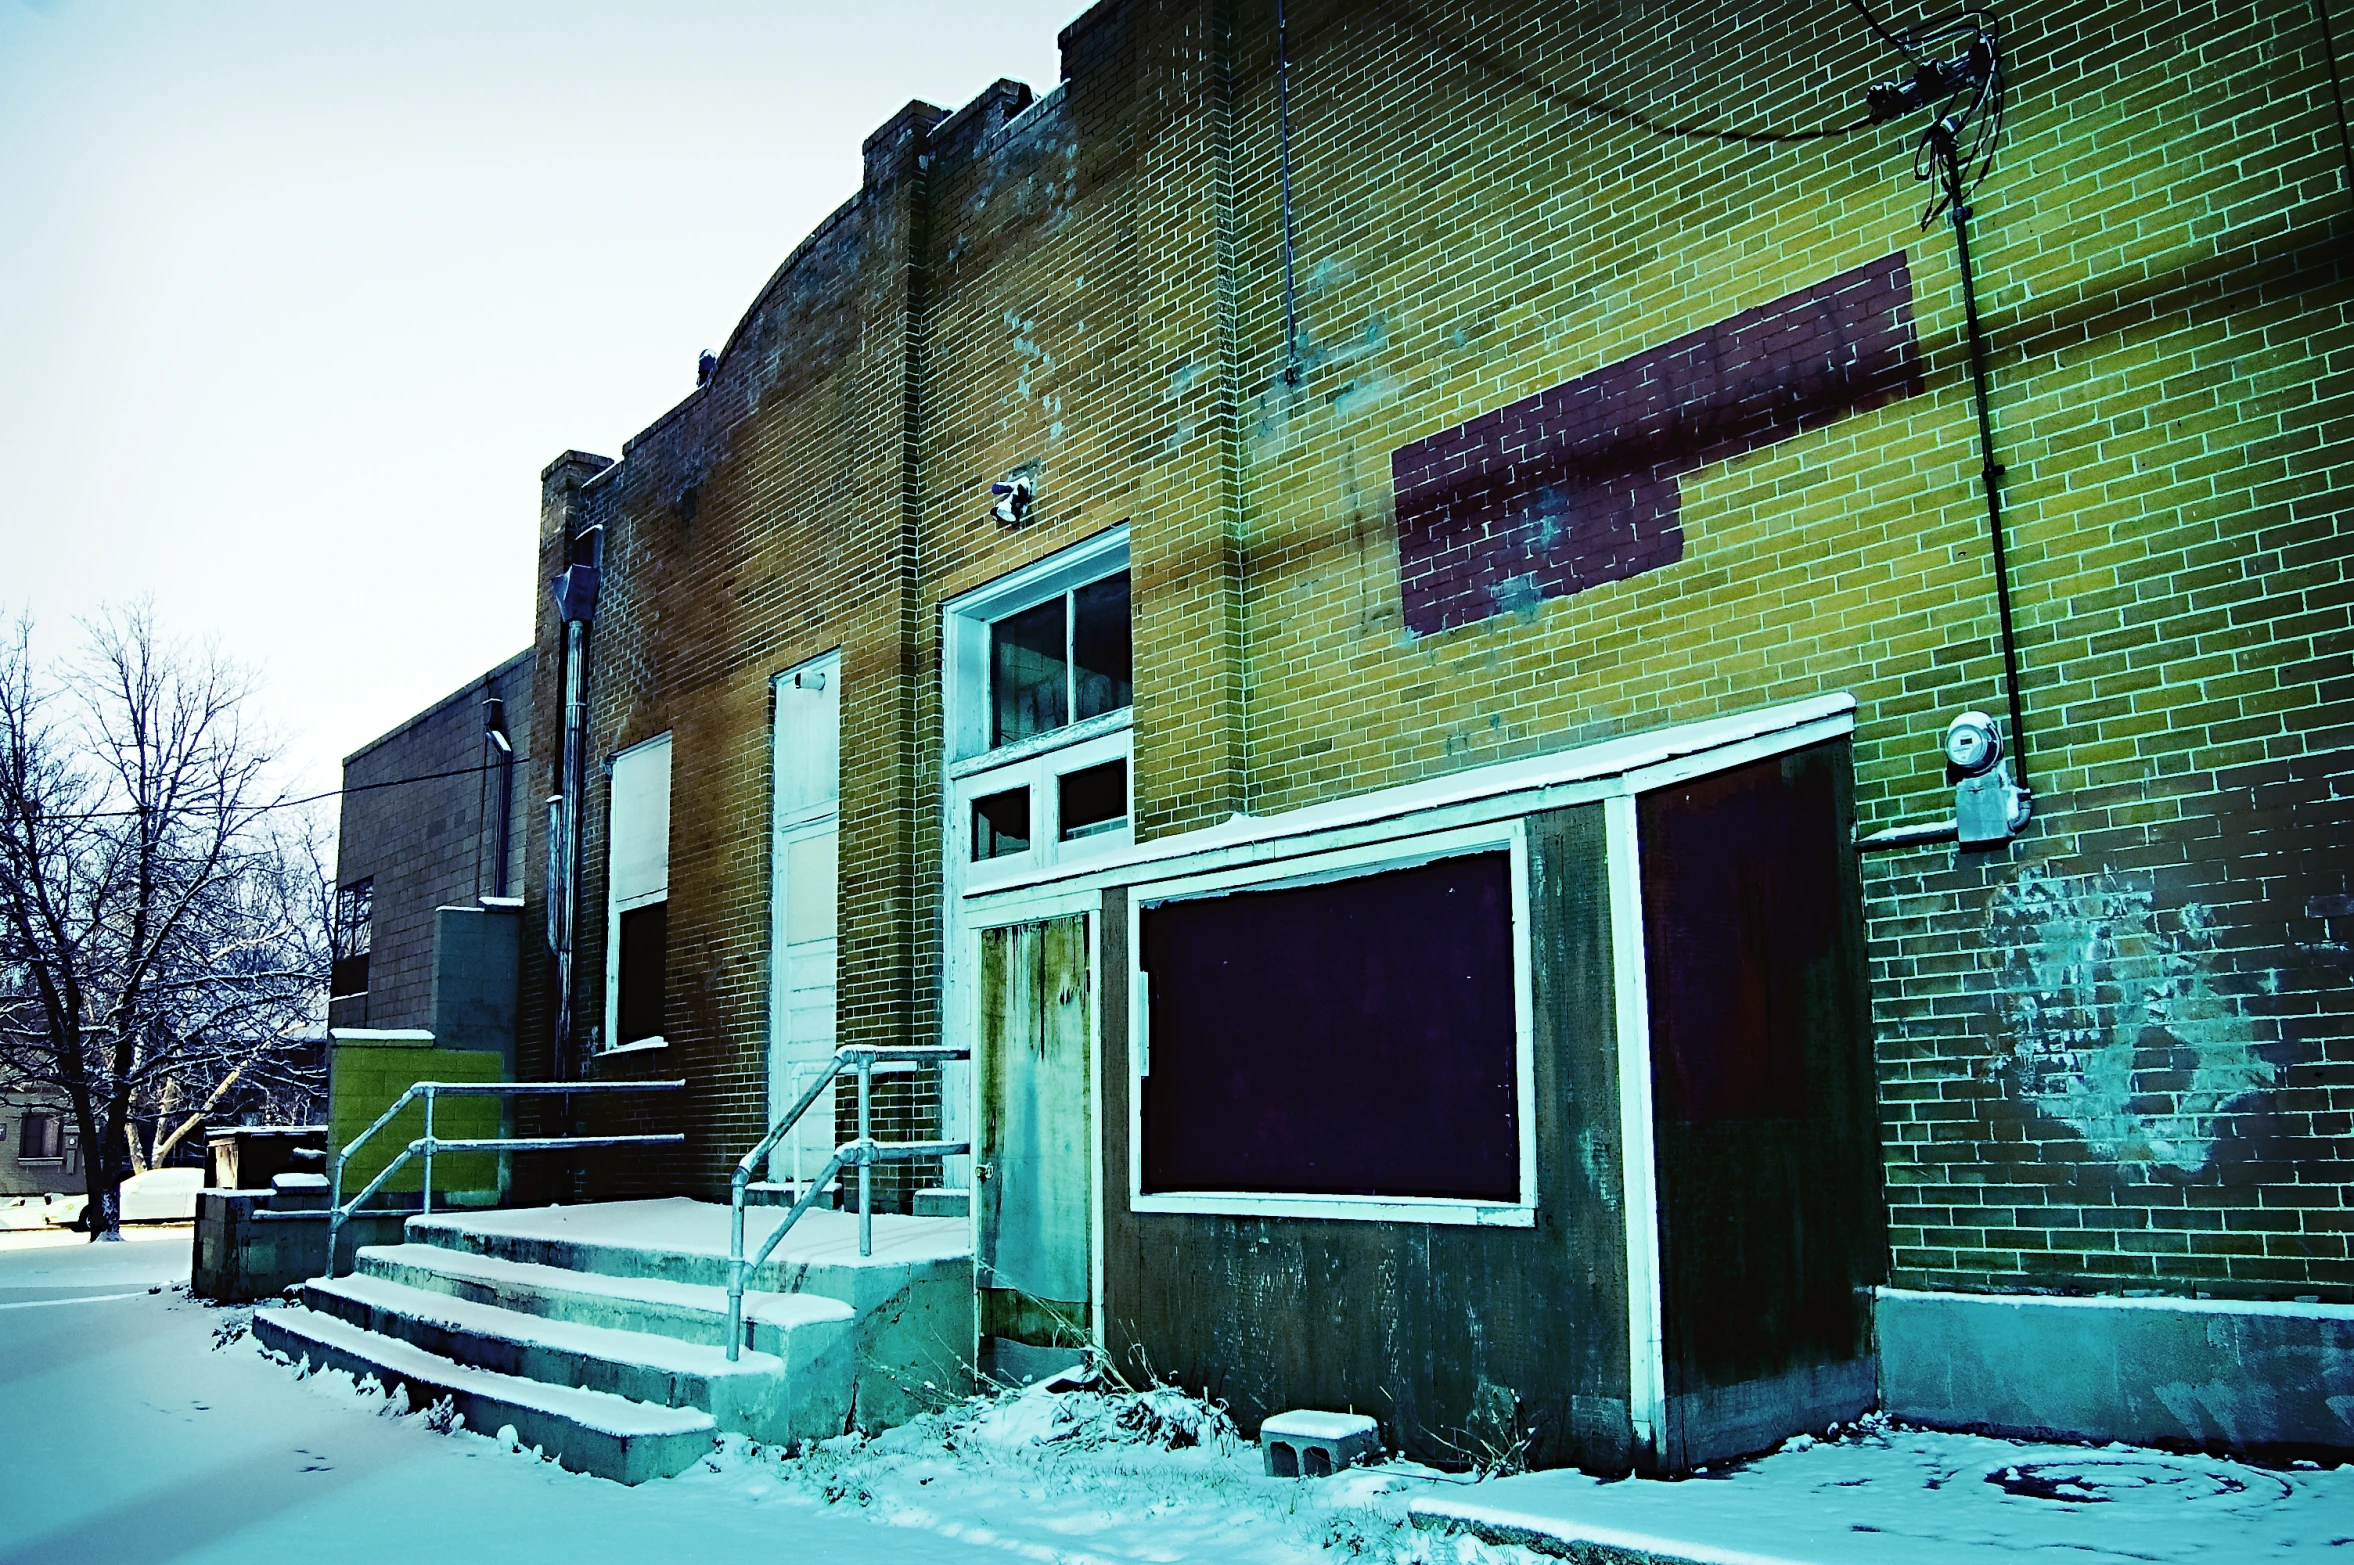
(1576, 486)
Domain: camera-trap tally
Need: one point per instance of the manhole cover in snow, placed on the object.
(2138, 1481)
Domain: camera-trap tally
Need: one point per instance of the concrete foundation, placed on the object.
(248, 1248)
(2190, 1374)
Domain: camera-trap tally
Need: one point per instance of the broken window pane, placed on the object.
(1029, 675)
(1102, 669)
(1092, 799)
(644, 935)
(1001, 824)
(351, 937)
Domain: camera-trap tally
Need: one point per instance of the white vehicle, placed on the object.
(29, 1211)
(161, 1195)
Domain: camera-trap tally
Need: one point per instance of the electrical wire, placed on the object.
(1498, 65)
(2337, 89)
(1972, 114)
(288, 804)
(1974, 107)
(1894, 41)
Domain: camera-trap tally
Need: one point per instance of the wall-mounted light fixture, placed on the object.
(1015, 494)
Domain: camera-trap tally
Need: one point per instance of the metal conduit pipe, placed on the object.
(1944, 136)
(576, 605)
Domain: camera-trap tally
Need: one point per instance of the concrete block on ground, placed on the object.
(1309, 1444)
(299, 1193)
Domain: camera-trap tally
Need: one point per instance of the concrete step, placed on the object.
(798, 1328)
(686, 1242)
(911, 1300)
(588, 1431)
(754, 1393)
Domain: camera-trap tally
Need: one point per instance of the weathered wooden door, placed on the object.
(1033, 1179)
(1771, 1231)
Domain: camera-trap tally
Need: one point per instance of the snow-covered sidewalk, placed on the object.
(139, 1425)
(1877, 1493)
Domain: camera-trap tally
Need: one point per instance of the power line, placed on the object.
(310, 798)
(1893, 40)
(1498, 65)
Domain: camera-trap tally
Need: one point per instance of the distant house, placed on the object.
(1410, 691)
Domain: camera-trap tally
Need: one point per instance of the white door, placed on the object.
(805, 871)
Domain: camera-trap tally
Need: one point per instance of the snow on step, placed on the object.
(680, 1240)
(588, 1431)
(690, 1312)
(911, 1301)
(756, 1393)
(686, 1364)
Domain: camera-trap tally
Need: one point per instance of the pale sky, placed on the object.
(296, 299)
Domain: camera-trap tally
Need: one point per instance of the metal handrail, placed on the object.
(427, 1144)
(862, 1154)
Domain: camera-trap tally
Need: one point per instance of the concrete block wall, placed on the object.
(365, 1076)
(2114, 1057)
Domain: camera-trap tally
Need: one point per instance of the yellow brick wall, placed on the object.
(1091, 289)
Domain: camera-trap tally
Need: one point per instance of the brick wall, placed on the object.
(428, 844)
(2115, 1055)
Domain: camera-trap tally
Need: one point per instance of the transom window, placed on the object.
(1061, 661)
(1040, 681)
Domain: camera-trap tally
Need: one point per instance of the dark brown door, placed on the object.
(1771, 1226)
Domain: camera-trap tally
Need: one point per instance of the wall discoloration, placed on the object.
(1577, 486)
(2121, 1019)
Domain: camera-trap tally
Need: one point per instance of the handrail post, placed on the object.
(425, 1206)
(334, 1202)
(866, 1141)
(735, 1266)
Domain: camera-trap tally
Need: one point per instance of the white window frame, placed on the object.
(616, 906)
(972, 769)
(1510, 836)
(964, 663)
(57, 1135)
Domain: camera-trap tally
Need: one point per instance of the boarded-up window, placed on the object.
(1356, 1037)
(637, 892)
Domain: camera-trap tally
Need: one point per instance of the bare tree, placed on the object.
(160, 941)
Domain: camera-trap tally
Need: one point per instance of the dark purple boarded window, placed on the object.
(1740, 903)
(1352, 1038)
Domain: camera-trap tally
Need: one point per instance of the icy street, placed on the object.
(129, 1435)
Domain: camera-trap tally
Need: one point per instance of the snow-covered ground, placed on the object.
(128, 1434)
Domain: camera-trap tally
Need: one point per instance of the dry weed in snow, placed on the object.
(1081, 1469)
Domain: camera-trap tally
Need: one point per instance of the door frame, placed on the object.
(786, 826)
(1005, 911)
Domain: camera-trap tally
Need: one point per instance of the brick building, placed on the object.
(406, 847)
(1341, 620)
